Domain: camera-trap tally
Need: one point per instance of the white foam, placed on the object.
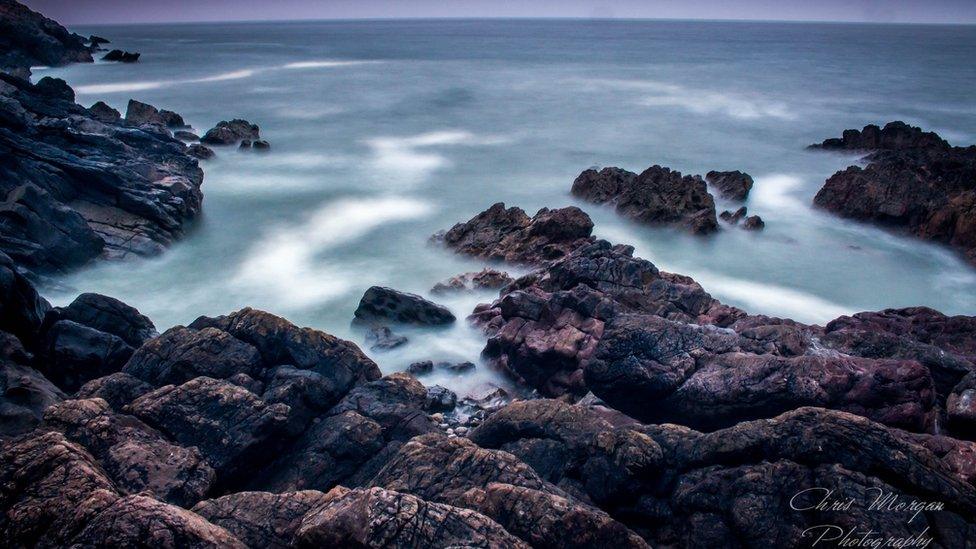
(765, 298)
(285, 265)
(233, 75)
(119, 87)
(403, 160)
(777, 193)
(324, 64)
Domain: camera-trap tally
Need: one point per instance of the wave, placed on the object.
(403, 158)
(762, 297)
(324, 64)
(285, 264)
(777, 193)
(119, 87)
(233, 75)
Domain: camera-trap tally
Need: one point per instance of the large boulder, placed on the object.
(181, 354)
(109, 315)
(262, 519)
(509, 234)
(734, 185)
(229, 133)
(138, 113)
(118, 389)
(380, 305)
(656, 196)
(75, 354)
(24, 395)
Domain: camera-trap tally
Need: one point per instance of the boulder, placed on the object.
(95, 40)
(733, 218)
(657, 196)
(501, 234)
(261, 519)
(734, 185)
(486, 279)
(22, 310)
(380, 305)
(381, 338)
(138, 113)
(261, 145)
(181, 354)
(24, 395)
(893, 137)
(199, 151)
(184, 135)
(229, 133)
(961, 407)
(55, 88)
(104, 113)
(121, 56)
(75, 354)
(440, 399)
(118, 389)
(109, 315)
(753, 223)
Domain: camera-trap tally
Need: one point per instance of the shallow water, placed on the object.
(383, 132)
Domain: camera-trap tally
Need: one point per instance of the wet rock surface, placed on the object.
(486, 279)
(230, 133)
(28, 39)
(734, 185)
(381, 305)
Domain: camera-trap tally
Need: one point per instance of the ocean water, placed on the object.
(384, 132)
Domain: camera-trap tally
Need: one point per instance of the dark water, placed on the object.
(384, 132)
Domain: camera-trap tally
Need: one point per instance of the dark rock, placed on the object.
(228, 133)
(379, 518)
(440, 399)
(181, 354)
(307, 394)
(135, 456)
(731, 185)
(486, 279)
(261, 145)
(423, 367)
(733, 217)
(97, 40)
(75, 354)
(109, 315)
(55, 88)
(139, 113)
(184, 135)
(122, 56)
(656, 196)
(380, 305)
(199, 151)
(139, 520)
(22, 310)
(24, 395)
(961, 407)
(245, 144)
(118, 389)
(382, 338)
(105, 114)
(260, 519)
(43, 234)
(194, 412)
(753, 223)
(914, 181)
(501, 234)
(28, 39)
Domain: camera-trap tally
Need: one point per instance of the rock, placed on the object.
(379, 305)
(181, 354)
(229, 133)
(109, 315)
(193, 412)
(118, 389)
(134, 188)
(486, 279)
(307, 394)
(245, 144)
(384, 518)
(122, 56)
(105, 114)
(24, 395)
(75, 354)
(140, 520)
(29, 39)
(961, 407)
(136, 457)
(261, 145)
(914, 181)
(733, 218)
(184, 135)
(656, 196)
(42, 234)
(421, 368)
(425, 367)
(731, 185)
(139, 113)
(753, 223)
(55, 88)
(260, 519)
(501, 234)
(200, 151)
(440, 399)
(22, 310)
(380, 338)
(97, 40)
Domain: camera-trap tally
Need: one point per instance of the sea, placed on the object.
(383, 132)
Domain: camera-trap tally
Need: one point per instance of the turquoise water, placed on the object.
(383, 132)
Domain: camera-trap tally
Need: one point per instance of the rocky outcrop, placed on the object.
(913, 181)
(96, 189)
(28, 39)
(138, 113)
(381, 305)
(121, 56)
(509, 234)
(229, 133)
(733, 185)
(657, 196)
(261, 519)
(199, 151)
(733, 218)
(753, 223)
(486, 279)
(104, 113)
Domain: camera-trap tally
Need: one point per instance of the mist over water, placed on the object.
(384, 132)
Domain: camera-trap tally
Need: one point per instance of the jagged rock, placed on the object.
(261, 519)
(753, 223)
(138, 520)
(380, 305)
(184, 135)
(381, 338)
(501, 234)
(961, 406)
(22, 310)
(138, 113)
(97, 40)
(118, 389)
(245, 144)
(24, 395)
(914, 181)
(440, 399)
(194, 413)
(43, 234)
(55, 88)
(261, 145)
(733, 218)
(122, 56)
(425, 367)
(109, 315)
(307, 394)
(656, 196)
(733, 185)
(199, 151)
(486, 279)
(384, 518)
(181, 354)
(136, 457)
(28, 39)
(229, 133)
(105, 114)
(75, 354)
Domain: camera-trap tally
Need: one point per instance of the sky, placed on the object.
(147, 11)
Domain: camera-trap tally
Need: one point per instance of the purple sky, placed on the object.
(138, 11)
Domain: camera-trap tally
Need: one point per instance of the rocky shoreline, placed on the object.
(649, 413)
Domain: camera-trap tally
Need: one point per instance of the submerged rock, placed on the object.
(380, 305)
(229, 133)
(380, 338)
(486, 279)
(733, 218)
